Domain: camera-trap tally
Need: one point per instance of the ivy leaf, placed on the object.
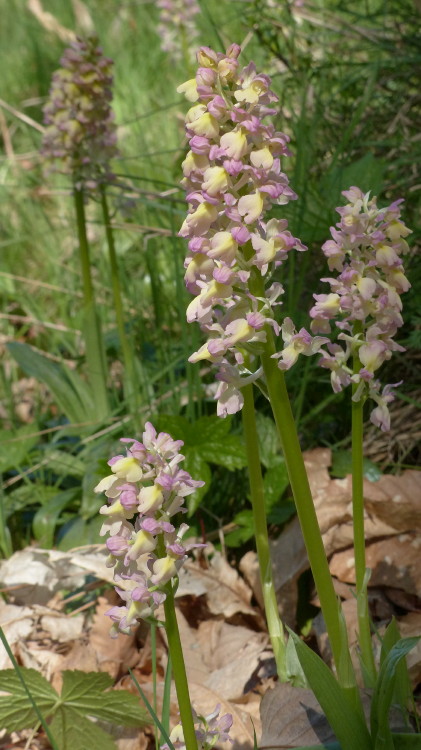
(82, 696)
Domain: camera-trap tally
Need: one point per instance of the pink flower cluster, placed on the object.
(210, 730)
(232, 176)
(145, 489)
(365, 250)
(80, 137)
(177, 27)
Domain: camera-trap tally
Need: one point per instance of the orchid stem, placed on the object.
(298, 478)
(130, 380)
(95, 355)
(179, 669)
(276, 631)
(364, 633)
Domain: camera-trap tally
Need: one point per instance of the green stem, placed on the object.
(290, 444)
(131, 385)
(179, 669)
(364, 633)
(95, 356)
(276, 631)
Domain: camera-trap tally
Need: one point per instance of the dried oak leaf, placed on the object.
(226, 592)
(292, 717)
(394, 562)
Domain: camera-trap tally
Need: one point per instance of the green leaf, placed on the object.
(64, 464)
(84, 691)
(244, 519)
(196, 465)
(403, 741)
(275, 482)
(402, 690)
(208, 430)
(82, 696)
(27, 495)
(383, 693)
(347, 723)
(15, 710)
(228, 451)
(78, 532)
(342, 465)
(45, 519)
(177, 427)
(15, 446)
(74, 732)
(269, 446)
(71, 393)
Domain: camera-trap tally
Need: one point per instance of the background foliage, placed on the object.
(348, 78)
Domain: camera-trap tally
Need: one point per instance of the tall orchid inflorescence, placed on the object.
(177, 27)
(80, 134)
(145, 490)
(232, 175)
(364, 300)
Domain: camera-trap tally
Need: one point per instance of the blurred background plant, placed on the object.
(348, 78)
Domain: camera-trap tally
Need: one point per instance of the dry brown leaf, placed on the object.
(249, 567)
(227, 593)
(204, 701)
(292, 717)
(113, 654)
(62, 628)
(17, 623)
(394, 562)
(396, 500)
(233, 655)
(289, 560)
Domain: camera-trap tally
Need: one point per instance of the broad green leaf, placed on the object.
(403, 741)
(64, 464)
(196, 465)
(339, 708)
(85, 693)
(60, 380)
(96, 468)
(269, 446)
(383, 693)
(82, 696)
(228, 451)
(244, 519)
(342, 465)
(368, 170)
(282, 512)
(74, 732)
(295, 672)
(78, 532)
(177, 427)
(45, 519)
(402, 690)
(275, 482)
(27, 495)
(208, 430)
(15, 446)
(16, 712)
